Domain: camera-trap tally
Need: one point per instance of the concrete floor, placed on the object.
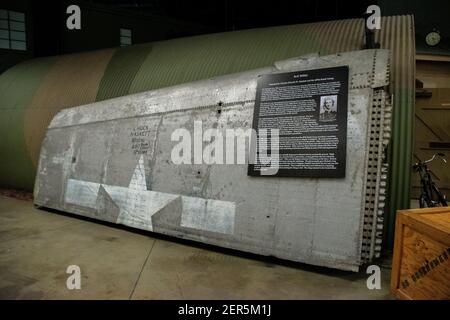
(37, 246)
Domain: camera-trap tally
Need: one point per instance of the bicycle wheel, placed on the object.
(422, 202)
(440, 196)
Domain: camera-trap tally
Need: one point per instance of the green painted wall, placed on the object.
(17, 87)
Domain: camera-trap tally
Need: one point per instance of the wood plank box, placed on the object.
(421, 262)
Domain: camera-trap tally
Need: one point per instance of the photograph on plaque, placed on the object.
(300, 119)
(328, 108)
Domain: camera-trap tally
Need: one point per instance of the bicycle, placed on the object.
(430, 196)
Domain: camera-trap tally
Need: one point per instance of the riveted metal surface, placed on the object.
(189, 59)
(88, 166)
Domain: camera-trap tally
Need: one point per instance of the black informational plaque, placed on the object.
(309, 108)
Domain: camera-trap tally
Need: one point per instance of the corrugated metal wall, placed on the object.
(17, 88)
(61, 88)
(398, 35)
(47, 85)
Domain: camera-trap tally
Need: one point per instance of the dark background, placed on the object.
(154, 20)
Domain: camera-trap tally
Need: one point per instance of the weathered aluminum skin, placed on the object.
(88, 167)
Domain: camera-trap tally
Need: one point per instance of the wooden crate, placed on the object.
(421, 262)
